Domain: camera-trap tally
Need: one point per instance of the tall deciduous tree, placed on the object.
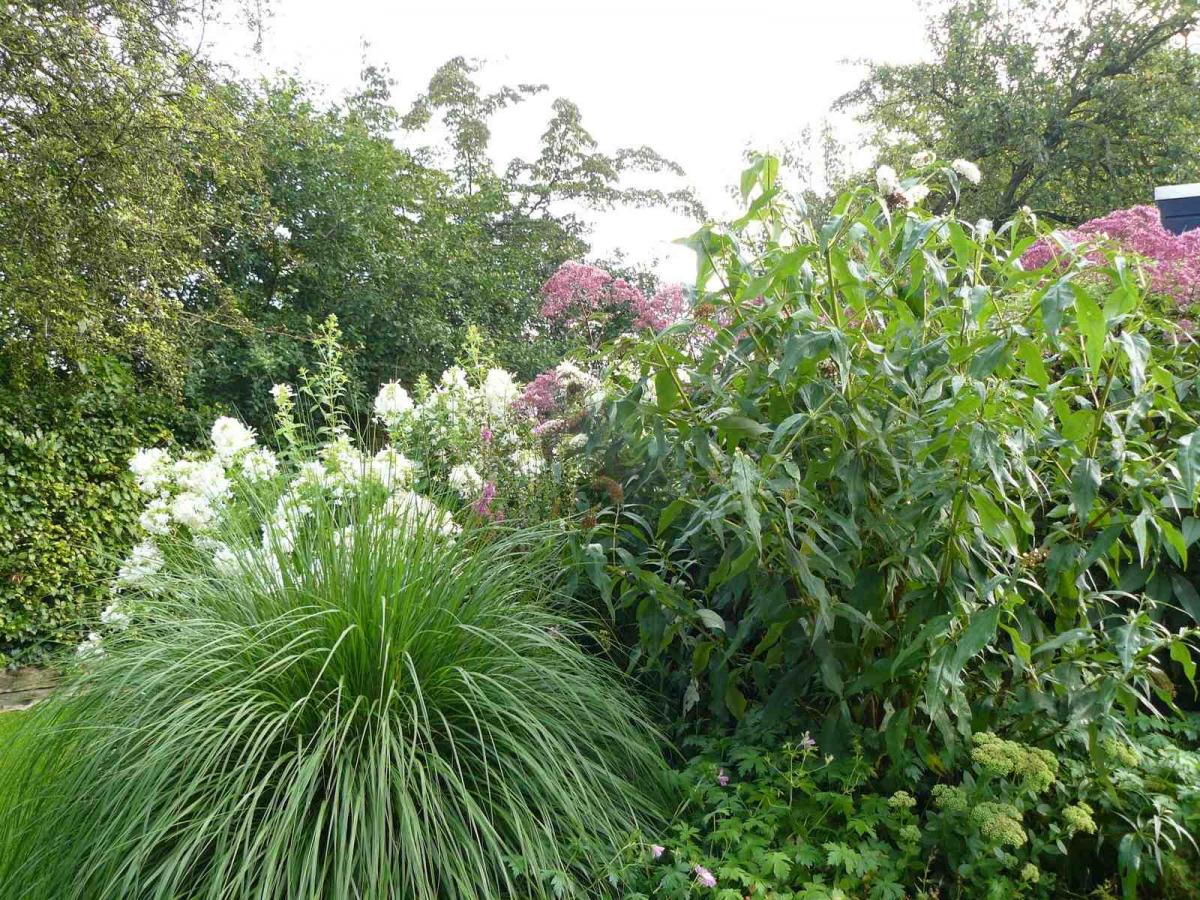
(1072, 107)
(113, 133)
(361, 228)
(408, 247)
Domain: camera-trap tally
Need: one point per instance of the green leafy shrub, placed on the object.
(769, 817)
(67, 504)
(380, 710)
(905, 483)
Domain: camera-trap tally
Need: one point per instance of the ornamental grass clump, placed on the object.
(382, 707)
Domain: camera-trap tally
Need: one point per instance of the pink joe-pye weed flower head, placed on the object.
(1172, 262)
(657, 850)
(543, 395)
(577, 289)
(665, 308)
(704, 877)
(572, 288)
(483, 506)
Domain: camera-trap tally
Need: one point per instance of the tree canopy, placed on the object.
(113, 135)
(1072, 109)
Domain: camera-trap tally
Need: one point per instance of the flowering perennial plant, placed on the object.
(767, 817)
(508, 451)
(578, 294)
(474, 440)
(1172, 262)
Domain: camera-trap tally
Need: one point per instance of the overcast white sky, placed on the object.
(697, 80)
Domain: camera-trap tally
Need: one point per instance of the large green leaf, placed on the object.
(1085, 485)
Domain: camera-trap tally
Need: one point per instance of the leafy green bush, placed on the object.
(381, 710)
(67, 504)
(905, 483)
(768, 817)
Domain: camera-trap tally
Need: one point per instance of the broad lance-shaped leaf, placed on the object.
(1188, 460)
(711, 619)
(1056, 299)
(977, 635)
(666, 389)
(1090, 319)
(1183, 656)
(1085, 485)
(1137, 349)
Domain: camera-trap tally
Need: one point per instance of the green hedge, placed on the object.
(68, 505)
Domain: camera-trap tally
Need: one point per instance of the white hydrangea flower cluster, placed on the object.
(455, 414)
(409, 508)
(230, 437)
(500, 391)
(392, 403)
(392, 468)
(260, 464)
(144, 560)
(890, 186)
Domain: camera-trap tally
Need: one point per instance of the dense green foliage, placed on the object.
(894, 516)
(114, 136)
(68, 504)
(409, 249)
(770, 817)
(196, 230)
(382, 711)
(364, 230)
(902, 452)
(889, 480)
(1071, 109)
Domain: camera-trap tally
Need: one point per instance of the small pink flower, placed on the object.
(484, 505)
(657, 850)
(705, 877)
(1172, 261)
(722, 778)
(544, 396)
(807, 742)
(485, 434)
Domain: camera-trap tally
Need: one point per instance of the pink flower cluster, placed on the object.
(483, 506)
(574, 287)
(578, 289)
(665, 308)
(543, 395)
(1173, 261)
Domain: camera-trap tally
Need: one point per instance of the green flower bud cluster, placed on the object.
(1121, 752)
(1037, 769)
(902, 800)
(999, 823)
(1079, 818)
(949, 798)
